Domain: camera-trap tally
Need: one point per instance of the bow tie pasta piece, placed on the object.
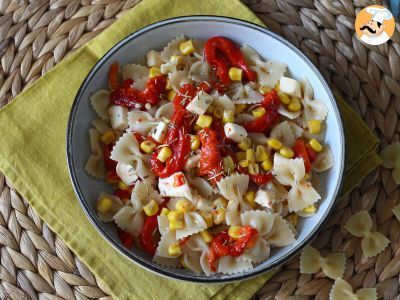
(204, 263)
(332, 265)
(391, 156)
(306, 88)
(231, 265)
(165, 111)
(288, 114)
(179, 78)
(287, 132)
(142, 193)
(270, 194)
(126, 149)
(167, 239)
(314, 109)
(269, 72)
(258, 219)
(101, 125)
(245, 94)
(288, 171)
(201, 203)
(396, 175)
(360, 225)
(129, 220)
(200, 71)
(198, 48)
(191, 261)
(134, 72)
(140, 121)
(281, 234)
(172, 48)
(95, 164)
(116, 205)
(259, 253)
(201, 185)
(341, 290)
(194, 223)
(233, 187)
(324, 160)
(223, 102)
(302, 195)
(154, 59)
(166, 262)
(396, 211)
(163, 224)
(195, 243)
(250, 54)
(100, 102)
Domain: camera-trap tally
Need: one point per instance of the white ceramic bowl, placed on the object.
(155, 36)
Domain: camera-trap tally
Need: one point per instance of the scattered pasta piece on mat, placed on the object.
(391, 160)
(341, 290)
(396, 211)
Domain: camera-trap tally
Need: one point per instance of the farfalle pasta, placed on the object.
(391, 159)
(210, 150)
(360, 225)
(342, 290)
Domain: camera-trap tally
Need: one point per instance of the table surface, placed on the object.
(34, 263)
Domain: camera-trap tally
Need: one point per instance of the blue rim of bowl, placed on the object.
(98, 224)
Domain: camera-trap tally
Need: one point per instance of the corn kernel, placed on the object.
(220, 202)
(245, 144)
(171, 95)
(204, 121)
(267, 165)
(228, 116)
(250, 156)
(274, 144)
(174, 250)
(285, 99)
(315, 145)
(249, 196)
(183, 205)
(310, 209)
(295, 105)
(206, 236)
(244, 163)
(175, 215)
(219, 216)
(261, 153)
(239, 108)
(241, 155)
(154, 71)
(259, 112)
(253, 169)
(286, 152)
(235, 74)
(264, 89)
(173, 225)
(147, 146)
(186, 47)
(218, 112)
(151, 208)
(104, 205)
(164, 212)
(194, 142)
(122, 186)
(314, 126)
(108, 137)
(293, 219)
(208, 218)
(164, 154)
(277, 87)
(168, 86)
(234, 231)
(228, 163)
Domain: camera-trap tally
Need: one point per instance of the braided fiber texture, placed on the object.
(36, 35)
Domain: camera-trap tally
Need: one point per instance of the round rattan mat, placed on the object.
(34, 263)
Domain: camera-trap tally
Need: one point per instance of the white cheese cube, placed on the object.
(290, 86)
(127, 173)
(118, 117)
(159, 132)
(175, 185)
(200, 103)
(235, 132)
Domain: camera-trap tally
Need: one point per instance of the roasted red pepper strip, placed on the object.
(312, 155)
(146, 236)
(271, 100)
(261, 178)
(246, 240)
(210, 157)
(182, 98)
(300, 151)
(127, 96)
(108, 162)
(262, 123)
(125, 237)
(123, 194)
(221, 53)
(113, 76)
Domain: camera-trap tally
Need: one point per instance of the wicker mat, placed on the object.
(35, 36)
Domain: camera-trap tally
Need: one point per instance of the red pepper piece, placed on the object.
(147, 236)
(219, 247)
(205, 87)
(300, 151)
(113, 76)
(139, 137)
(246, 240)
(210, 157)
(182, 98)
(221, 53)
(261, 178)
(271, 100)
(123, 194)
(108, 162)
(125, 237)
(212, 257)
(112, 176)
(127, 96)
(312, 155)
(183, 241)
(262, 123)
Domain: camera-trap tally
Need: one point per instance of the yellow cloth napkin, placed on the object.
(32, 156)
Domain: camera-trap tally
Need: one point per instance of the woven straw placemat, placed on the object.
(34, 263)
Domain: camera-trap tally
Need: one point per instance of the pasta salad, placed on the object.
(213, 153)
